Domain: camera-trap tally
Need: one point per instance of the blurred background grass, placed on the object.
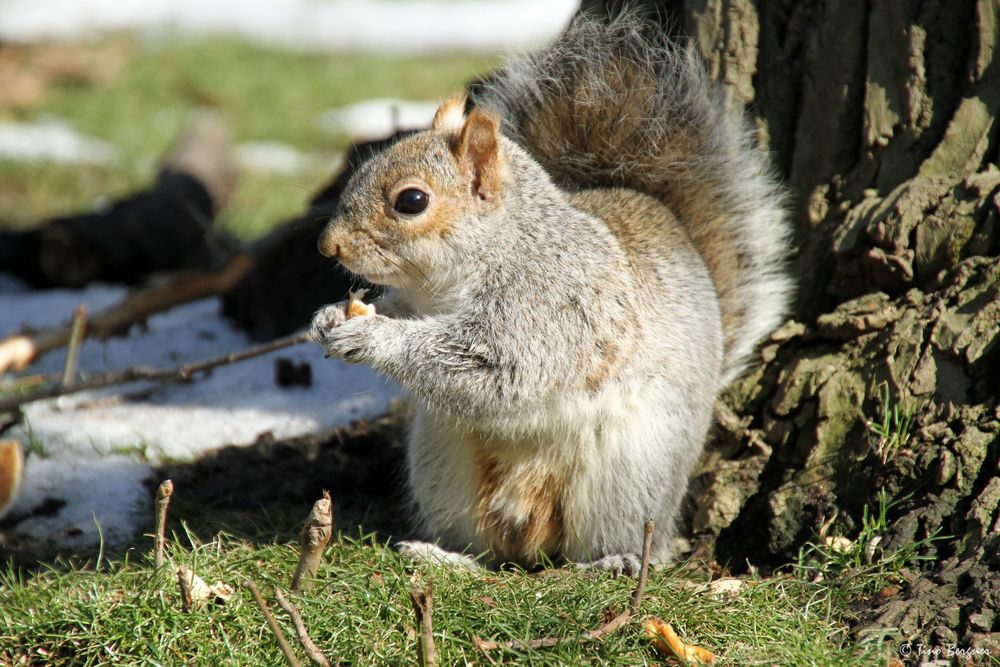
(137, 94)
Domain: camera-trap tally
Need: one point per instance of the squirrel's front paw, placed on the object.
(351, 339)
(326, 320)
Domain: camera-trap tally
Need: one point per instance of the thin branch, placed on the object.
(143, 373)
(16, 352)
(310, 647)
(647, 543)
(484, 648)
(423, 608)
(316, 533)
(600, 632)
(77, 331)
(286, 650)
(182, 585)
(163, 494)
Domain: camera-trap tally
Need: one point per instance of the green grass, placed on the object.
(862, 563)
(893, 431)
(358, 609)
(264, 94)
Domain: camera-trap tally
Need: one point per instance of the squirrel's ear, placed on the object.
(479, 148)
(450, 116)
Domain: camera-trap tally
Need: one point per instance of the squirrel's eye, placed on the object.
(411, 201)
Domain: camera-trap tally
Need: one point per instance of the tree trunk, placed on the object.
(881, 117)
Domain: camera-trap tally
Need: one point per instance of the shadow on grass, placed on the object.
(263, 492)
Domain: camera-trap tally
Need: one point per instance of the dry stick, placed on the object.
(423, 607)
(182, 584)
(640, 588)
(310, 647)
(137, 373)
(77, 331)
(16, 352)
(316, 532)
(163, 493)
(273, 624)
(600, 632)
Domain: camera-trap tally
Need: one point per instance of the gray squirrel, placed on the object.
(575, 268)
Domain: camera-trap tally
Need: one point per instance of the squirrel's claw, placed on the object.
(617, 564)
(348, 339)
(431, 554)
(325, 320)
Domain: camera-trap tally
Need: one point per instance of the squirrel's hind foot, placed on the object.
(431, 554)
(617, 564)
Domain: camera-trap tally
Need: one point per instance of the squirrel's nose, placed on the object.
(328, 247)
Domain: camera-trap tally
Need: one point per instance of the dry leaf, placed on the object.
(838, 544)
(357, 308)
(725, 587)
(667, 642)
(16, 353)
(28, 72)
(11, 472)
(199, 591)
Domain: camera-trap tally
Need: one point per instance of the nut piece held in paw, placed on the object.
(356, 307)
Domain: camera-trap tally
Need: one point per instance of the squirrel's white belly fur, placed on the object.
(579, 483)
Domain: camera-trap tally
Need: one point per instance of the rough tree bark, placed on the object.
(881, 117)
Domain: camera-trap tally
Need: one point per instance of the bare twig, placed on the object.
(316, 532)
(484, 648)
(77, 331)
(140, 373)
(423, 608)
(18, 351)
(182, 585)
(286, 650)
(163, 493)
(640, 588)
(600, 632)
(310, 647)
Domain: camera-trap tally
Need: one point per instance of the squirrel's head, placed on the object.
(414, 212)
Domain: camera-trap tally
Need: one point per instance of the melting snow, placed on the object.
(373, 119)
(95, 448)
(51, 140)
(325, 25)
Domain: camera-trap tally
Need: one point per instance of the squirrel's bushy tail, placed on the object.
(618, 104)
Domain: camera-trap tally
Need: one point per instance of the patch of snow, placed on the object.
(51, 140)
(100, 492)
(397, 25)
(100, 445)
(377, 118)
(279, 158)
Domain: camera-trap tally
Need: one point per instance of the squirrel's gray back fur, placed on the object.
(618, 104)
